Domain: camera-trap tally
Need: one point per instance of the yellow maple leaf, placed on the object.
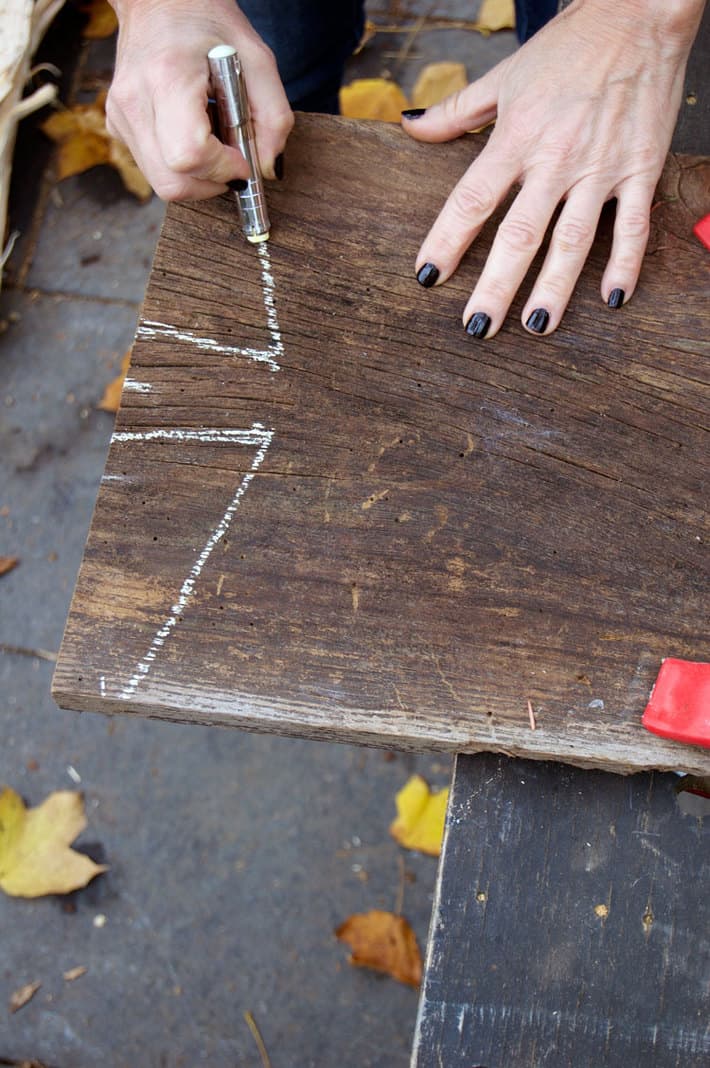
(112, 394)
(84, 142)
(420, 817)
(373, 98)
(35, 853)
(102, 19)
(436, 82)
(496, 15)
(384, 942)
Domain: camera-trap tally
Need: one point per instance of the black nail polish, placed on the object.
(477, 325)
(238, 184)
(427, 275)
(279, 166)
(538, 320)
(413, 113)
(616, 298)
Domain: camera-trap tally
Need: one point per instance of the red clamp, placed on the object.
(679, 706)
(702, 231)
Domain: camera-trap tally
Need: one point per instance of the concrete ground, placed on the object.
(232, 857)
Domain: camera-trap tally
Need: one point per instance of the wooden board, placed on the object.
(568, 925)
(328, 512)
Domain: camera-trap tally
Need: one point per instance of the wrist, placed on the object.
(679, 19)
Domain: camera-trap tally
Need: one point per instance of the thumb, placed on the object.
(460, 113)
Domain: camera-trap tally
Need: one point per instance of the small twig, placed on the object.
(531, 714)
(20, 650)
(399, 903)
(251, 1024)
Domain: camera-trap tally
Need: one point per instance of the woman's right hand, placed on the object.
(157, 103)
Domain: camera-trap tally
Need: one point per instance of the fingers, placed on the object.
(518, 239)
(186, 144)
(631, 230)
(570, 243)
(460, 113)
(472, 201)
(271, 112)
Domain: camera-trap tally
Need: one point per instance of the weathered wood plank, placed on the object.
(408, 534)
(569, 925)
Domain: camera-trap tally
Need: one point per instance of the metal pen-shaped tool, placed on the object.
(236, 129)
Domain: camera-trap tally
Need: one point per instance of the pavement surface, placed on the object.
(232, 857)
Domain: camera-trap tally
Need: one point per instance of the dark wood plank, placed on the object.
(436, 530)
(569, 925)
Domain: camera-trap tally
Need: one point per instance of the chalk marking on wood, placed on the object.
(132, 386)
(102, 685)
(151, 329)
(256, 435)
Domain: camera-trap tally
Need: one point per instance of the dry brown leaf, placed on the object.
(384, 942)
(23, 995)
(112, 394)
(496, 15)
(421, 816)
(84, 142)
(102, 19)
(75, 973)
(373, 98)
(35, 858)
(436, 82)
(7, 563)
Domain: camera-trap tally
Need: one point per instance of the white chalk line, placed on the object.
(150, 328)
(255, 435)
(246, 437)
(130, 385)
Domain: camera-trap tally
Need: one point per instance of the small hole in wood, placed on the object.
(691, 99)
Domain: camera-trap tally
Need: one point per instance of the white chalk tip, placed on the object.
(221, 52)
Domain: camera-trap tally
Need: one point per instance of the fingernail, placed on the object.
(238, 184)
(477, 325)
(427, 275)
(616, 298)
(413, 113)
(538, 321)
(279, 166)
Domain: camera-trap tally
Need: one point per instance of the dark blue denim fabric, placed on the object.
(531, 15)
(312, 40)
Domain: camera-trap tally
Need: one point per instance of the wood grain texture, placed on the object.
(439, 529)
(569, 925)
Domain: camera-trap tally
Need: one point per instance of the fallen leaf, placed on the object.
(112, 394)
(496, 15)
(7, 563)
(373, 98)
(436, 82)
(35, 857)
(84, 142)
(102, 19)
(420, 817)
(384, 942)
(23, 995)
(75, 973)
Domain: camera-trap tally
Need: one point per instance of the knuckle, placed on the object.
(558, 287)
(634, 225)
(171, 189)
(519, 233)
(574, 235)
(184, 158)
(495, 290)
(470, 200)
